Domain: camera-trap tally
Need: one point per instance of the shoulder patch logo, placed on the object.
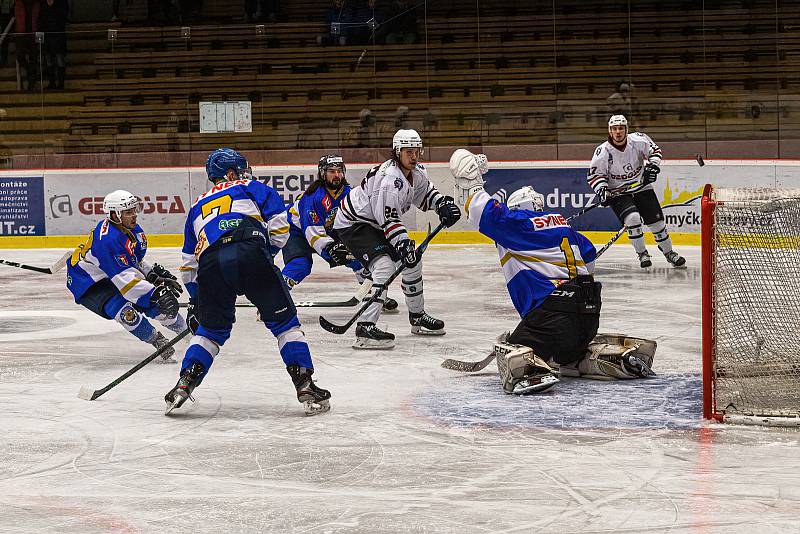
(398, 183)
(122, 260)
(314, 216)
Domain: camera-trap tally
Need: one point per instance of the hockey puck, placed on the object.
(700, 160)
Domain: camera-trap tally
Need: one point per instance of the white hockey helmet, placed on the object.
(526, 198)
(617, 120)
(406, 139)
(119, 201)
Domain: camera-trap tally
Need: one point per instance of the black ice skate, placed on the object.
(315, 400)
(183, 389)
(169, 352)
(390, 306)
(369, 336)
(636, 366)
(644, 260)
(675, 259)
(424, 324)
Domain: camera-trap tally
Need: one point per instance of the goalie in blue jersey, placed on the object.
(108, 275)
(232, 233)
(549, 269)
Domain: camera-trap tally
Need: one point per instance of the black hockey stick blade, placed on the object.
(89, 394)
(341, 329)
(43, 270)
(468, 367)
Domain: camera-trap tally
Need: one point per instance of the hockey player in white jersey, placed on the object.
(549, 274)
(368, 222)
(109, 276)
(620, 162)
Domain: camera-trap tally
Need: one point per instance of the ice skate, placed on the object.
(314, 399)
(369, 336)
(424, 324)
(675, 259)
(636, 366)
(644, 260)
(183, 389)
(169, 352)
(534, 384)
(390, 306)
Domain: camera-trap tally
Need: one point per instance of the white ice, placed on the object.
(407, 447)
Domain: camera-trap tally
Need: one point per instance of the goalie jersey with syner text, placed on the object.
(538, 250)
(220, 210)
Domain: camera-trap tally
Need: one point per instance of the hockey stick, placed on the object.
(468, 367)
(631, 188)
(341, 329)
(352, 301)
(88, 394)
(57, 266)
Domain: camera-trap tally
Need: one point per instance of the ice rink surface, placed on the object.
(407, 447)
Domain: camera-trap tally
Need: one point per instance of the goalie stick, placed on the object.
(57, 266)
(341, 329)
(352, 301)
(89, 394)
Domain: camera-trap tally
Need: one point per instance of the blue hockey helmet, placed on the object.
(223, 159)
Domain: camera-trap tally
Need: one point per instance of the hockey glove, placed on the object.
(407, 252)
(159, 276)
(604, 196)
(650, 173)
(165, 299)
(448, 212)
(501, 195)
(191, 316)
(337, 254)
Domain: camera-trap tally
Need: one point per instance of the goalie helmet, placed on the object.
(617, 120)
(224, 159)
(118, 201)
(526, 198)
(406, 139)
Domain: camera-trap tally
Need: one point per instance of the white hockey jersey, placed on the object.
(616, 169)
(383, 196)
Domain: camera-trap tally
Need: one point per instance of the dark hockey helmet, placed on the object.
(331, 161)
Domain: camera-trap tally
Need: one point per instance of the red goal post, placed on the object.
(751, 305)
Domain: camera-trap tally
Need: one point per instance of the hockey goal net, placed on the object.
(751, 305)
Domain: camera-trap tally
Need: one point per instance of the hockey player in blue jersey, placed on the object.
(549, 274)
(308, 232)
(232, 233)
(108, 275)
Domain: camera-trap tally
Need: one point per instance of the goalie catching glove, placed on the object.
(468, 170)
(160, 276)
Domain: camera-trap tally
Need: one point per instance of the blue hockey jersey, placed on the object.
(308, 214)
(220, 210)
(114, 253)
(538, 250)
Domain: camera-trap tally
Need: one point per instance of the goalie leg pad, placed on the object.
(521, 371)
(615, 357)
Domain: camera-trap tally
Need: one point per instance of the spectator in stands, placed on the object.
(338, 18)
(622, 101)
(27, 22)
(6, 12)
(53, 22)
(401, 118)
(400, 26)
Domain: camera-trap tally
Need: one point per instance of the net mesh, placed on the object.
(756, 301)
